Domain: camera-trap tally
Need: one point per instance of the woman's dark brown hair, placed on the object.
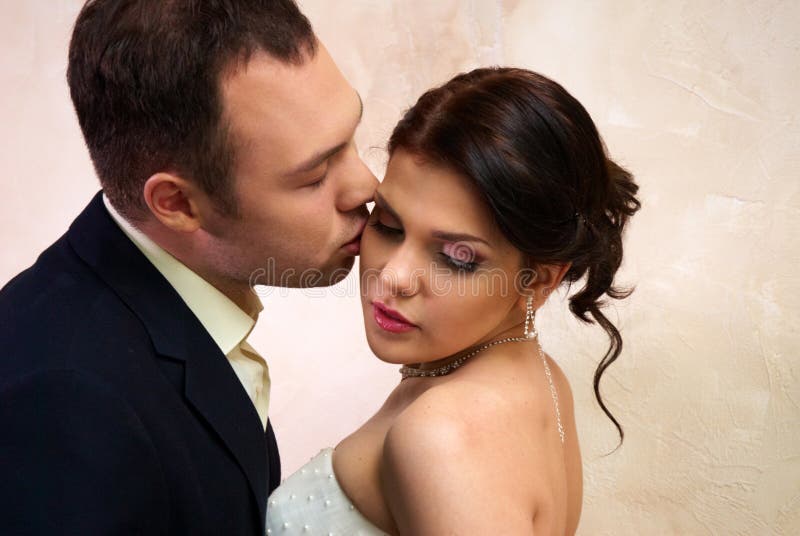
(536, 155)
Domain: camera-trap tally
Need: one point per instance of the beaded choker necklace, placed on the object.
(411, 372)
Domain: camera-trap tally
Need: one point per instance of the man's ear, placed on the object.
(173, 201)
(547, 278)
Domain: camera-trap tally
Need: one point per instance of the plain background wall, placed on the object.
(698, 99)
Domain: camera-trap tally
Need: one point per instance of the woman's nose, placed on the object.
(402, 275)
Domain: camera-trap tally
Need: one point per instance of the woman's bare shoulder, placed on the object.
(448, 451)
(466, 423)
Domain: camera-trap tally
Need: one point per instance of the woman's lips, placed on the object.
(390, 320)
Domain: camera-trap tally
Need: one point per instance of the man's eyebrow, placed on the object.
(318, 158)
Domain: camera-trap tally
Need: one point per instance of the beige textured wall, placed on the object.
(699, 99)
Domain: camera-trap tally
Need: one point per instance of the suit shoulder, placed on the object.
(58, 313)
(57, 280)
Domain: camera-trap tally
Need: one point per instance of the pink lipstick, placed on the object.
(390, 320)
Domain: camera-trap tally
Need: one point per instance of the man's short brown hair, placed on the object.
(144, 76)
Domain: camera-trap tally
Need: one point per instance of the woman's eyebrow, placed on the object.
(458, 237)
(381, 202)
(440, 235)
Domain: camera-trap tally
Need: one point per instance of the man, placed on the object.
(130, 400)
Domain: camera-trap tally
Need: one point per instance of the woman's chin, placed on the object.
(389, 351)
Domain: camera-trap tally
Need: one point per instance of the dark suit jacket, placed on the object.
(118, 413)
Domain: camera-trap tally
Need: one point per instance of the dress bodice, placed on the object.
(311, 502)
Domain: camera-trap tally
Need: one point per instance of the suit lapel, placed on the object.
(214, 390)
(211, 386)
(274, 458)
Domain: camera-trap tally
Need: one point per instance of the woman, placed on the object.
(498, 190)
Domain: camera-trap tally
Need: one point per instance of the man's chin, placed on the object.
(338, 274)
(289, 277)
(325, 277)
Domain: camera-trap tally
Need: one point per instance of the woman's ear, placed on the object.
(542, 281)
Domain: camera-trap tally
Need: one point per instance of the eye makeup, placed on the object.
(457, 255)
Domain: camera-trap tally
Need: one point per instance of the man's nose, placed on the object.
(358, 184)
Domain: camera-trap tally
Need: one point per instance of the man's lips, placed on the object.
(390, 320)
(354, 246)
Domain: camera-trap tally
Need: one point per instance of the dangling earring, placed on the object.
(530, 320)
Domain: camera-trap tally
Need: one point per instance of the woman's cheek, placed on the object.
(451, 312)
(370, 250)
(464, 315)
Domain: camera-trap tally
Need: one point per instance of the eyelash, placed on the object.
(450, 261)
(459, 265)
(316, 184)
(385, 229)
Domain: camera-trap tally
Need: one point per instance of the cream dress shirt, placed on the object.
(225, 321)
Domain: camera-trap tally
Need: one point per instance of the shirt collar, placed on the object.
(225, 321)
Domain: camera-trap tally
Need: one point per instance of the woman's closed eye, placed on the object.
(461, 256)
(466, 266)
(458, 256)
(384, 229)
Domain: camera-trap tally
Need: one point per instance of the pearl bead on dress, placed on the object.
(326, 505)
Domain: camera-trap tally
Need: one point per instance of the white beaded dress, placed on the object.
(311, 502)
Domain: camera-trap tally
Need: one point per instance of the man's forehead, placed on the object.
(290, 113)
(273, 90)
